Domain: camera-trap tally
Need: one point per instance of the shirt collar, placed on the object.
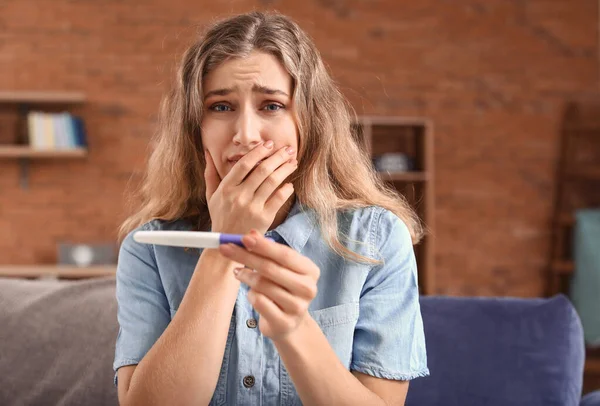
(297, 226)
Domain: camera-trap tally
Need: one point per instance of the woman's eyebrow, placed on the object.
(218, 92)
(268, 90)
(255, 89)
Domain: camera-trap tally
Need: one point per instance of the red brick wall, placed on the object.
(493, 75)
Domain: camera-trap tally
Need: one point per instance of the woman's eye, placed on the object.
(220, 108)
(273, 107)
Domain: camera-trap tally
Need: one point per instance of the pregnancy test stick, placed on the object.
(190, 239)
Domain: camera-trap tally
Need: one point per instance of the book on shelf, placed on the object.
(55, 131)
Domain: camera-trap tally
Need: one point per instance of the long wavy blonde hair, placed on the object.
(334, 172)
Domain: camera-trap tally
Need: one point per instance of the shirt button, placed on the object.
(251, 323)
(248, 381)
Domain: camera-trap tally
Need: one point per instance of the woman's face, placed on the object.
(247, 101)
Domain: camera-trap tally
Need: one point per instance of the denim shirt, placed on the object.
(370, 314)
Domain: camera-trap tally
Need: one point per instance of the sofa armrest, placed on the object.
(591, 399)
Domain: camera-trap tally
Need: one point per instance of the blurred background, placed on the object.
(485, 113)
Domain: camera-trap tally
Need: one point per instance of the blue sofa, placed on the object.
(57, 344)
(501, 351)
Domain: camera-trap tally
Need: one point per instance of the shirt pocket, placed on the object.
(219, 397)
(337, 324)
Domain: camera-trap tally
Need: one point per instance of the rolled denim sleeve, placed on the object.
(389, 340)
(143, 310)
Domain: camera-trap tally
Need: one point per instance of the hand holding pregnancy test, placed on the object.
(282, 283)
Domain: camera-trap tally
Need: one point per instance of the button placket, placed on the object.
(250, 353)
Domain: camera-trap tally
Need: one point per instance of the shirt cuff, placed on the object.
(381, 373)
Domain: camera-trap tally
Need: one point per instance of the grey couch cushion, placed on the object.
(57, 342)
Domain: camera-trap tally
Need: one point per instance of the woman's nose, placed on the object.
(247, 130)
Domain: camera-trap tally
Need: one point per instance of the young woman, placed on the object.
(255, 139)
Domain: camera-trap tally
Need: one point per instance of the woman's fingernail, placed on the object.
(249, 242)
(268, 144)
(236, 271)
(290, 150)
